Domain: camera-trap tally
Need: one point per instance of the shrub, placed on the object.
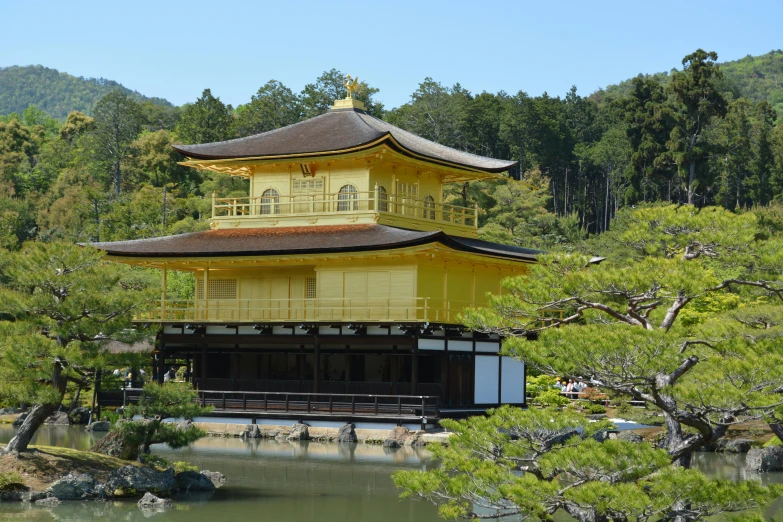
(552, 397)
(10, 478)
(595, 408)
(537, 385)
(181, 466)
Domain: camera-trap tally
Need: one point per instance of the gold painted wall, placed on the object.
(360, 287)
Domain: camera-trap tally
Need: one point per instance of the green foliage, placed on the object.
(206, 120)
(536, 385)
(56, 93)
(624, 322)
(153, 460)
(10, 478)
(60, 303)
(181, 466)
(565, 470)
(594, 408)
(157, 414)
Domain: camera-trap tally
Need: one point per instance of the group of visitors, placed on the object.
(570, 387)
(129, 380)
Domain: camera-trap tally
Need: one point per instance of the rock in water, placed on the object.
(251, 432)
(299, 432)
(99, 426)
(194, 481)
(75, 486)
(9, 411)
(59, 418)
(629, 436)
(217, 478)
(48, 502)
(765, 459)
(114, 445)
(347, 433)
(396, 438)
(20, 419)
(80, 415)
(737, 445)
(131, 481)
(151, 503)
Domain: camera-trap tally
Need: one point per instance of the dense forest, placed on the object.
(706, 134)
(56, 93)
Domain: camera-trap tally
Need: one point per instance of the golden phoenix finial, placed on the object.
(351, 85)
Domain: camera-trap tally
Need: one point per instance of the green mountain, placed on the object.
(56, 93)
(754, 77)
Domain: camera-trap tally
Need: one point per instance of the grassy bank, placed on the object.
(43, 465)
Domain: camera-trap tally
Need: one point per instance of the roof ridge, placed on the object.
(265, 133)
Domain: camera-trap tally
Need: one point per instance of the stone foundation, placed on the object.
(318, 434)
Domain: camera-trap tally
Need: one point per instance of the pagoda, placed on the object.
(339, 279)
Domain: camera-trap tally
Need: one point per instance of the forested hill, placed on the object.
(757, 78)
(56, 93)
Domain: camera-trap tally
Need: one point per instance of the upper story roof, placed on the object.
(303, 240)
(340, 131)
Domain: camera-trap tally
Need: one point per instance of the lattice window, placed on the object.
(218, 289)
(383, 200)
(429, 207)
(346, 198)
(310, 288)
(270, 202)
(308, 186)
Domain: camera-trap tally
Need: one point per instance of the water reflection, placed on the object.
(304, 481)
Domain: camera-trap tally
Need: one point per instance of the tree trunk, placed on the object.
(32, 422)
(117, 178)
(777, 429)
(75, 401)
(691, 179)
(674, 439)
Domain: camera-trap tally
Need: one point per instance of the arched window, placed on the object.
(270, 202)
(383, 200)
(429, 208)
(346, 199)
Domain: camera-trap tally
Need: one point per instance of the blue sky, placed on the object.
(176, 49)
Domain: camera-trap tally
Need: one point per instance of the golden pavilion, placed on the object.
(334, 288)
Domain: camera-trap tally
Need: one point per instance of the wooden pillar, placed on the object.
(415, 369)
(203, 367)
(347, 368)
(206, 293)
(394, 369)
(317, 367)
(164, 277)
(300, 366)
(161, 362)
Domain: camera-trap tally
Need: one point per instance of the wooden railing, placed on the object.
(410, 407)
(374, 202)
(421, 309)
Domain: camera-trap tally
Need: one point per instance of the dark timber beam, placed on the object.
(341, 340)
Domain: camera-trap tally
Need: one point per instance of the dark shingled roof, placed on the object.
(302, 240)
(339, 130)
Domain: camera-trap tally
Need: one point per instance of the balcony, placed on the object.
(420, 309)
(344, 208)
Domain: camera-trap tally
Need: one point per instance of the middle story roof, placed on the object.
(303, 240)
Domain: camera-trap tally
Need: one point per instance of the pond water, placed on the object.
(305, 481)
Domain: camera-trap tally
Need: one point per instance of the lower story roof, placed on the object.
(303, 240)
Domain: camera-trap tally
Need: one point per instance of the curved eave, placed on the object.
(387, 138)
(437, 237)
